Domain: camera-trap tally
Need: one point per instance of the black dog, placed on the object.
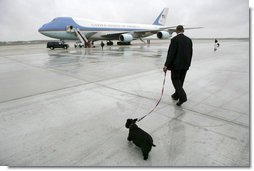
(139, 137)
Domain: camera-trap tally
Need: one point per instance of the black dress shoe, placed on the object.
(174, 96)
(180, 102)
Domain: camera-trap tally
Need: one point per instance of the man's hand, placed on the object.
(165, 69)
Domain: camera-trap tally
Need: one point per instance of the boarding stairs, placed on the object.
(81, 37)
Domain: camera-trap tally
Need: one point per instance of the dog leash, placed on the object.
(162, 91)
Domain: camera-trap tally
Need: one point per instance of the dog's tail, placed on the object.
(153, 145)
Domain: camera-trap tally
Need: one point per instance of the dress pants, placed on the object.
(177, 77)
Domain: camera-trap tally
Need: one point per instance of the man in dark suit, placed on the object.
(178, 61)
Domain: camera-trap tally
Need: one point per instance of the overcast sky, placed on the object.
(21, 19)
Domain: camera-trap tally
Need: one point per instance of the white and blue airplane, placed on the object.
(68, 28)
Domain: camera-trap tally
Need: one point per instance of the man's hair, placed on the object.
(179, 28)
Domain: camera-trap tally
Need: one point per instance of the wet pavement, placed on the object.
(69, 107)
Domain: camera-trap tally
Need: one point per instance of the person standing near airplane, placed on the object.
(178, 61)
(102, 45)
(216, 45)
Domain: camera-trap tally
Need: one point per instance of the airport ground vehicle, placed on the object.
(53, 45)
(78, 44)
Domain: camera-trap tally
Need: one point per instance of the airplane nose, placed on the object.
(42, 28)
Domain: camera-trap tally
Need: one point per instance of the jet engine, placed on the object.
(125, 37)
(163, 35)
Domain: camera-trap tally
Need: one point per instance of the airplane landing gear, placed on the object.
(123, 43)
(109, 43)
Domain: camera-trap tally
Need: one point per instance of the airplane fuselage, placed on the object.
(84, 30)
(93, 30)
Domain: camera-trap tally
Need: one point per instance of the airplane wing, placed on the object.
(137, 33)
(113, 35)
(144, 33)
(185, 28)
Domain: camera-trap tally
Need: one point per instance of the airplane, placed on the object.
(86, 31)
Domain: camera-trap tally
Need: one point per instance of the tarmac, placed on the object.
(69, 107)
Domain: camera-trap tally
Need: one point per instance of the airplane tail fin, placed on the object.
(161, 19)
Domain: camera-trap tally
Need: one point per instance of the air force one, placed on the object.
(86, 31)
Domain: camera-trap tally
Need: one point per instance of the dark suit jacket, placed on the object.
(179, 53)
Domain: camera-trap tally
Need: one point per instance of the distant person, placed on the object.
(216, 45)
(178, 61)
(102, 45)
